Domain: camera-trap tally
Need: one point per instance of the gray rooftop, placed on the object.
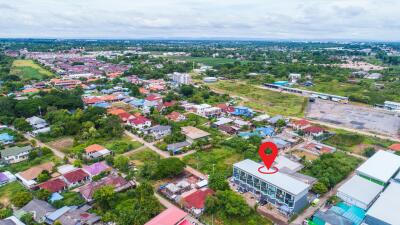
(280, 180)
(387, 207)
(39, 207)
(15, 150)
(381, 166)
(366, 194)
(159, 128)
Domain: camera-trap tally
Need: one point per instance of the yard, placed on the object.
(263, 100)
(221, 159)
(309, 156)
(29, 70)
(24, 165)
(9, 190)
(142, 155)
(62, 144)
(253, 218)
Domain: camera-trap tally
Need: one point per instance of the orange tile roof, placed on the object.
(395, 147)
(116, 111)
(94, 148)
(34, 171)
(30, 90)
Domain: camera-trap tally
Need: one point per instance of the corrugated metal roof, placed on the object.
(366, 194)
(386, 208)
(280, 180)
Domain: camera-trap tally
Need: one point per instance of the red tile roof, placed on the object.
(301, 123)
(170, 216)
(395, 147)
(125, 116)
(94, 148)
(174, 116)
(139, 120)
(76, 176)
(314, 130)
(92, 100)
(153, 98)
(55, 185)
(169, 104)
(197, 199)
(225, 108)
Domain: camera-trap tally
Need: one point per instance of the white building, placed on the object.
(351, 193)
(392, 105)
(294, 77)
(181, 78)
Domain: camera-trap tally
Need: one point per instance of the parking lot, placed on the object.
(356, 117)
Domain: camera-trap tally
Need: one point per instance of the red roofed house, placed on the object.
(125, 116)
(96, 151)
(314, 131)
(195, 201)
(395, 147)
(139, 122)
(76, 177)
(92, 100)
(176, 116)
(56, 185)
(300, 124)
(170, 216)
(169, 104)
(225, 108)
(154, 98)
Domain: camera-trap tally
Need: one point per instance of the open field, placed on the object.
(8, 190)
(29, 70)
(62, 144)
(140, 156)
(355, 117)
(221, 158)
(205, 60)
(309, 156)
(24, 165)
(271, 102)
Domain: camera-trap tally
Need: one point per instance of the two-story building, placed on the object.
(15, 154)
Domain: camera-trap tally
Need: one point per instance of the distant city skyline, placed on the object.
(202, 19)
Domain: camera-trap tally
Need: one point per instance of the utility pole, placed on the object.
(40, 111)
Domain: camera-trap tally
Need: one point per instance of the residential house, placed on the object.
(158, 131)
(314, 131)
(300, 124)
(76, 177)
(72, 215)
(261, 118)
(96, 168)
(243, 111)
(266, 131)
(54, 185)
(222, 121)
(139, 122)
(178, 188)
(170, 216)
(36, 122)
(176, 116)
(38, 208)
(6, 177)
(281, 144)
(206, 110)
(193, 134)
(225, 108)
(195, 202)
(6, 139)
(115, 181)
(28, 177)
(156, 99)
(241, 123)
(11, 220)
(275, 119)
(177, 147)
(15, 154)
(95, 151)
(395, 147)
(227, 129)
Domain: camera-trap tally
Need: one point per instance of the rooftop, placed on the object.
(75, 176)
(194, 133)
(278, 179)
(15, 150)
(170, 216)
(381, 166)
(94, 148)
(386, 208)
(34, 171)
(55, 185)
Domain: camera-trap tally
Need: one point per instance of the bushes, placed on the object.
(345, 139)
(162, 168)
(21, 198)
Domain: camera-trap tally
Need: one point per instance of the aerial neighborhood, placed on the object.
(163, 133)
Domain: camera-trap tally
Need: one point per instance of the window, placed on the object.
(242, 176)
(271, 191)
(263, 187)
(256, 183)
(280, 195)
(249, 179)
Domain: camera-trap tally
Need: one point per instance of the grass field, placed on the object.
(253, 218)
(62, 144)
(8, 190)
(205, 60)
(143, 155)
(29, 70)
(264, 100)
(221, 158)
(24, 165)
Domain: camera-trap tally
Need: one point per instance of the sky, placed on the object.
(202, 19)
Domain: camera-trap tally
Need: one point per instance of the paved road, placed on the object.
(163, 153)
(322, 200)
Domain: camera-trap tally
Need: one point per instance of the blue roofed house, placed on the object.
(266, 131)
(280, 143)
(243, 111)
(102, 105)
(177, 147)
(6, 139)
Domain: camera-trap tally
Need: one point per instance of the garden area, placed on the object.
(9, 190)
(143, 155)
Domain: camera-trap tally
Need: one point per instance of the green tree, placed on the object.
(28, 219)
(42, 194)
(21, 198)
(43, 176)
(22, 125)
(122, 163)
(104, 195)
(218, 182)
(319, 188)
(5, 212)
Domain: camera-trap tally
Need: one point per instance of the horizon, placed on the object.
(315, 20)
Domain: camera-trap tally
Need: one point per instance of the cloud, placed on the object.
(267, 19)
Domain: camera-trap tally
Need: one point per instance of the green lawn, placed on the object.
(253, 218)
(29, 70)
(205, 60)
(143, 155)
(222, 158)
(9, 190)
(264, 100)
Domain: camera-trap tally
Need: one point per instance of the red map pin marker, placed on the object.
(268, 159)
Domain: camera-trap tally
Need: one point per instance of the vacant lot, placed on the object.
(268, 101)
(221, 159)
(309, 156)
(8, 190)
(62, 144)
(356, 117)
(139, 157)
(29, 70)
